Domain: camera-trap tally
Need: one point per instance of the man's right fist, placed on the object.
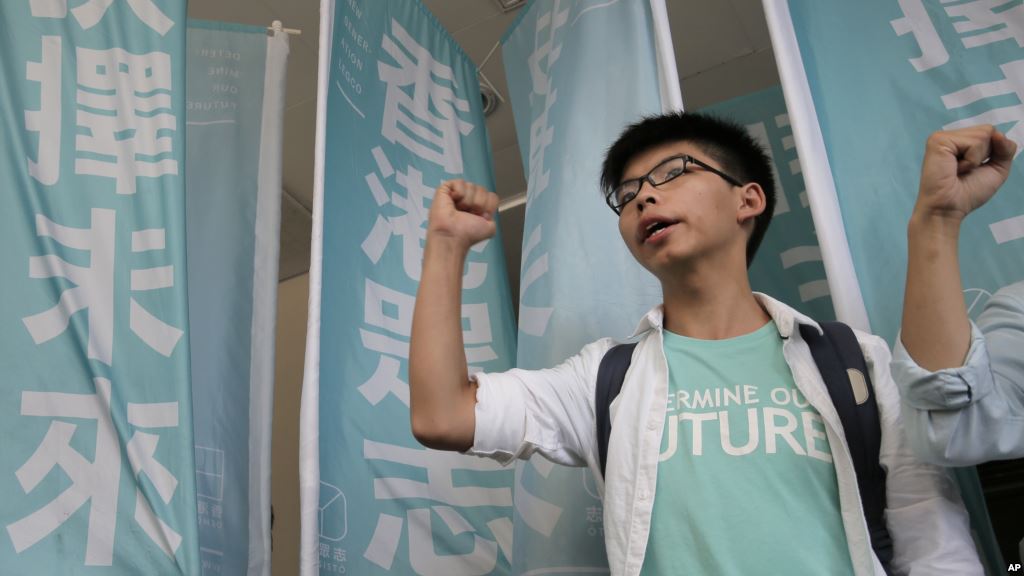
(462, 211)
(962, 169)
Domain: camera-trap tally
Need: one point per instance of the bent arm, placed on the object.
(961, 170)
(442, 399)
(972, 413)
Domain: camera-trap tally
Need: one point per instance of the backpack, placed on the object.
(844, 370)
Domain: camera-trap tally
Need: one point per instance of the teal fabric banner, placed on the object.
(234, 114)
(788, 265)
(97, 468)
(882, 77)
(403, 114)
(573, 90)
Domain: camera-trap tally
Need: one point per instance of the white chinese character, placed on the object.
(541, 136)
(440, 487)
(96, 482)
(541, 60)
(1012, 83)
(998, 19)
(533, 320)
(546, 50)
(94, 286)
(46, 120)
(916, 21)
(124, 105)
(141, 450)
(411, 224)
(480, 560)
(48, 8)
(411, 121)
(91, 12)
(157, 334)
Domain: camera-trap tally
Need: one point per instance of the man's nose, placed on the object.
(645, 195)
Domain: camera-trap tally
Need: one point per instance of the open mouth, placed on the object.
(656, 230)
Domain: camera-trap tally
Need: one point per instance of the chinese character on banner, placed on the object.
(410, 226)
(94, 286)
(440, 488)
(89, 13)
(126, 135)
(548, 47)
(408, 119)
(85, 253)
(46, 120)
(95, 482)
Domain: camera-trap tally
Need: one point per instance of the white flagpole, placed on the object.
(821, 190)
(668, 76)
(309, 417)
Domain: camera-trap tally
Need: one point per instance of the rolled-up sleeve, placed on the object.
(972, 413)
(550, 411)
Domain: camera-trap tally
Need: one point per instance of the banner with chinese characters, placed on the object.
(403, 114)
(788, 265)
(235, 109)
(97, 467)
(866, 84)
(578, 74)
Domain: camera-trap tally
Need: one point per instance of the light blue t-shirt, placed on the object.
(746, 483)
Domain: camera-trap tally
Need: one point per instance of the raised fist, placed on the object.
(962, 169)
(464, 212)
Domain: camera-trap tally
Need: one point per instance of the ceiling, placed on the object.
(722, 51)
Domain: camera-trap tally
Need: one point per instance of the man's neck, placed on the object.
(711, 303)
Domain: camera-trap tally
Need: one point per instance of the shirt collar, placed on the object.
(786, 318)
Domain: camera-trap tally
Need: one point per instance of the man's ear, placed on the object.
(752, 202)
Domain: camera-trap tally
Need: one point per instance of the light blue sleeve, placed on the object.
(974, 413)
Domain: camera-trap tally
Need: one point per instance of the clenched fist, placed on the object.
(962, 170)
(463, 212)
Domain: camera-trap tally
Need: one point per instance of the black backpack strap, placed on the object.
(610, 375)
(841, 362)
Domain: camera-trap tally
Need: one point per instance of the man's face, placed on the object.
(694, 216)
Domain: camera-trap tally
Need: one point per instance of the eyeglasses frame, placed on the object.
(687, 159)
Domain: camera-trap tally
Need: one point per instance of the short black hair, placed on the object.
(725, 141)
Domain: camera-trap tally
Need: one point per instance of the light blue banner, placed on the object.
(788, 264)
(883, 76)
(403, 114)
(230, 263)
(97, 468)
(578, 73)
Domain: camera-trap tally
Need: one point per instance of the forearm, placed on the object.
(936, 330)
(442, 399)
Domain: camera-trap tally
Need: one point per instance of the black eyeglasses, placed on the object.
(669, 169)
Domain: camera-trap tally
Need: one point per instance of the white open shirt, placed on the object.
(551, 412)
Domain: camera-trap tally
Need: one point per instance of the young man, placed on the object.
(752, 470)
(962, 383)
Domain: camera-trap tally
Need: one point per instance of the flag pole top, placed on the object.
(277, 27)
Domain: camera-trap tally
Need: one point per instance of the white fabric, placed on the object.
(309, 411)
(264, 304)
(551, 412)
